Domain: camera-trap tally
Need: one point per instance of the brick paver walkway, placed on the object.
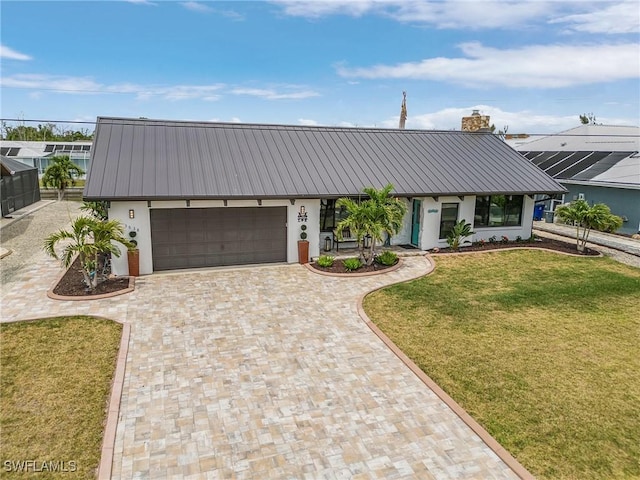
(265, 373)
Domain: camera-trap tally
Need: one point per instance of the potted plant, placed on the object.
(303, 246)
(133, 256)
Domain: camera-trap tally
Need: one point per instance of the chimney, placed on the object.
(476, 123)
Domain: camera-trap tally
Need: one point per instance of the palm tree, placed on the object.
(380, 213)
(61, 174)
(584, 217)
(88, 238)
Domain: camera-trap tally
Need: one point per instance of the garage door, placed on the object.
(210, 237)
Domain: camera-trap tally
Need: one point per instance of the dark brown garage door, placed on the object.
(210, 237)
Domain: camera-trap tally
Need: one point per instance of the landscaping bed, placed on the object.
(539, 242)
(72, 283)
(338, 267)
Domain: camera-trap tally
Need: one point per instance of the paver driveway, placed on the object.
(263, 373)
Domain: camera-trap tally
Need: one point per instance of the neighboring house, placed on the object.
(205, 194)
(18, 185)
(38, 154)
(598, 163)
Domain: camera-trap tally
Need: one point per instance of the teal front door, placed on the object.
(415, 222)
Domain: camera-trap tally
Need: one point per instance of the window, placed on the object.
(330, 216)
(498, 211)
(448, 218)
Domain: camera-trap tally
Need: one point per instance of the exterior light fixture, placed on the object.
(327, 243)
(132, 214)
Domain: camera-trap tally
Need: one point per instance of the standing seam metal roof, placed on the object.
(157, 159)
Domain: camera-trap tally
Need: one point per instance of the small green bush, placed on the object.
(387, 258)
(325, 261)
(352, 264)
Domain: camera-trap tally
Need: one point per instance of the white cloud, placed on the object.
(6, 52)
(536, 66)
(55, 83)
(594, 17)
(621, 17)
(142, 2)
(442, 14)
(197, 7)
(87, 86)
(472, 14)
(308, 122)
(270, 94)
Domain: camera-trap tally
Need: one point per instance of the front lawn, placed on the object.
(54, 386)
(541, 349)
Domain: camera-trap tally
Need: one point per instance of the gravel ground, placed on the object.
(25, 236)
(617, 255)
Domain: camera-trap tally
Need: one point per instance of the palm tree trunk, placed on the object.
(371, 251)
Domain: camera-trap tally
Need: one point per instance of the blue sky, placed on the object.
(533, 66)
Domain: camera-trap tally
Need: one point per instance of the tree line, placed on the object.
(47, 132)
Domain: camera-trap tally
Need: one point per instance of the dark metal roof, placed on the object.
(10, 166)
(143, 159)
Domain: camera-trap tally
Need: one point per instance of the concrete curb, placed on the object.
(491, 442)
(109, 436)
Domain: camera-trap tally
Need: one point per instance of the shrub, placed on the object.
(387, 258)
(504, 239)
(352, 264)
(459, 231)
(482, 242)
(493, 239)
(325, 261)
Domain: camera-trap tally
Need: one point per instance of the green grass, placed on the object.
(54, 386)
(541, 349)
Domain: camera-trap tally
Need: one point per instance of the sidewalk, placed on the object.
(624, 244)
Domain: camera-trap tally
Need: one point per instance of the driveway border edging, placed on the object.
(491, 442)
(109, 437)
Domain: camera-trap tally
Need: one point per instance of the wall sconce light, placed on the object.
(302, 214)
(132, 214)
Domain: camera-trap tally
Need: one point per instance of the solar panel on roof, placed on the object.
(49, 148)
(568, 159)
(554, 161)
(582, 164)
(602, 166)
(542, 157)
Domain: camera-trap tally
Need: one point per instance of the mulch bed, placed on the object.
(548, 243)
(338, 267)
(72, 283)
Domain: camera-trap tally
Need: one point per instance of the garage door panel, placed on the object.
(199, 237)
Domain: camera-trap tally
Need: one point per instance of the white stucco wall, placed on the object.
(141, 224)
(432, 209)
